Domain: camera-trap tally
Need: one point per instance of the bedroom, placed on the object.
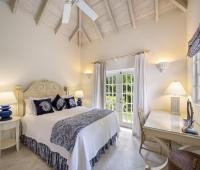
(99, 63)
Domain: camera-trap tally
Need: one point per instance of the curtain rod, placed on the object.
(123, 56)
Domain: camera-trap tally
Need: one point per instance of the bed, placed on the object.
(90, 143)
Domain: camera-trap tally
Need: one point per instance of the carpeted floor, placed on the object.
(123, 156)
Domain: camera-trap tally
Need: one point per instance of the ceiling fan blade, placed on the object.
(86, 9)
(66, 13)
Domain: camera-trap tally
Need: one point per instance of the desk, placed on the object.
(165, 126)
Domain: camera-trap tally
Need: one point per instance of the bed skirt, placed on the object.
(54, 159)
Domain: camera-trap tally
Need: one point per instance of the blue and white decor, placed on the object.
(64, 132)
(194, 44)
(6, 99)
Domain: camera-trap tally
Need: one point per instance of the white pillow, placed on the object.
(30, 106)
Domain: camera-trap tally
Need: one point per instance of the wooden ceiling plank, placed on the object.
(131, 13)
(95, 23)
(15, 5)
(156, 3)
(108, 8)
(181, 4)
(41, 12)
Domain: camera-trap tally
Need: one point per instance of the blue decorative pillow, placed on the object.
(43, 106)
(59, 103)
(70, 102)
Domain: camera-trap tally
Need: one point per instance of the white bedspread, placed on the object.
(88, 142)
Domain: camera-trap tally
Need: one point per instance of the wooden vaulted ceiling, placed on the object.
(114, 16)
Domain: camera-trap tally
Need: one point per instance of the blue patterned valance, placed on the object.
(194, 44)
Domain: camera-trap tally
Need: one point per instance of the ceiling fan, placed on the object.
(82, 5)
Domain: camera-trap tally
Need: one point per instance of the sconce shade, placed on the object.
(88, 75)
(79, 94)
(162, 66)
(175, 89)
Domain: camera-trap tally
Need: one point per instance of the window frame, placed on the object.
(196, 78)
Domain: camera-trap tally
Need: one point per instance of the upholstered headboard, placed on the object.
(42, 88)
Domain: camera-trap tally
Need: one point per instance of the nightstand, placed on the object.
(8, 125)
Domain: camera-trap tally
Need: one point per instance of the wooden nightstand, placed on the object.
(8, 125)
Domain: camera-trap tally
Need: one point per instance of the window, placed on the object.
(111, 92)
(196, 78)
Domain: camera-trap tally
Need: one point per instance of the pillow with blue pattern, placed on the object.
(70, 101)
(59, 103)
(43, 106)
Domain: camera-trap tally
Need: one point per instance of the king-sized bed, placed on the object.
(70, 139)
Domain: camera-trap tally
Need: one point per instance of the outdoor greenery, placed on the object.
(112, 84)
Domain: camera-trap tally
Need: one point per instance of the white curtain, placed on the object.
(99, 85)
(140, 91)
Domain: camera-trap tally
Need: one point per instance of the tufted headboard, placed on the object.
(42, 88)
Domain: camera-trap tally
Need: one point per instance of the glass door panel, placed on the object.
(119, 95)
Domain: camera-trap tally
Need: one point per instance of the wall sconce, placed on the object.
(162, 66)
(89, 75)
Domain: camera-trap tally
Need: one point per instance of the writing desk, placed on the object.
(165, 126)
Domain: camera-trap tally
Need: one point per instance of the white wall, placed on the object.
(29, 52)
(193, 21)
(166, 40)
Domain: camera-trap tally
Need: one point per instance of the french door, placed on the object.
(120, 94)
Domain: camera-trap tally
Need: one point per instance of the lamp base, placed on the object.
(175, 105)
(79, 102)
(5, 113)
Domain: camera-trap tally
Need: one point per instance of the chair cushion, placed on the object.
(183, 160)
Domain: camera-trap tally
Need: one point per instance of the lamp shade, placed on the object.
(176, 89)
(79, 94)
(7, 98)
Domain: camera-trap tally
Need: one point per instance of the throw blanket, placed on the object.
(64, 132)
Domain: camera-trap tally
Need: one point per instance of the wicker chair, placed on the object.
(143, 136)
(183, 160)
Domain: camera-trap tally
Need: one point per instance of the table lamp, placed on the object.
(6, 99)
(176, 90)
(79, 95)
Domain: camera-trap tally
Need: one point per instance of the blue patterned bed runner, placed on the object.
(64, 132)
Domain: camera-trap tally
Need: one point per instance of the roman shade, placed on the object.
(194, 44)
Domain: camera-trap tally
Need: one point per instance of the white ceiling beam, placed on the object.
(156, 3)
(98, 30)
(181, 4)
(80, 27)
(86, 35)
(41, 11)
(15, 5)
(108, 8)
(131, 13)
(58, 26)
(79, 38)
(75, 31)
